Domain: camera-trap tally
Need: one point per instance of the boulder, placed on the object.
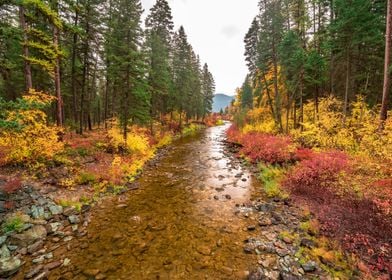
(28, 237)
(9, 266)
(55, 209)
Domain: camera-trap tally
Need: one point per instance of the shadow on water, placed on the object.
(180, 223)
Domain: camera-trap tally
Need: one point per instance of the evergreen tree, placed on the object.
(246, 95)
(159, 26)
(208, 90)
(128, 64)
(251, 40)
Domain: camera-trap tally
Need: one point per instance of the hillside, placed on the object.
(221, 101)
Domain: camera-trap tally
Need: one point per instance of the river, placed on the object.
(181, 223)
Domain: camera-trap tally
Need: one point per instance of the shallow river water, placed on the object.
(179, 224)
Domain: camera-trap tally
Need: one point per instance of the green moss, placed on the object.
(14, 223)
(271, 176)
(69, 203)
(86, 178)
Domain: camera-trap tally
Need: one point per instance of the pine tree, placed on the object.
(128, 64)
(208, 90)
(246, 94)
(159, 31)
(251, 41)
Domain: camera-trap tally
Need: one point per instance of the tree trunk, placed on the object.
(269, 98)
(27, 65)
(276, 89)
(57, 78)
(332, 58)
(73, 69)
(347, 89)
(387, 62)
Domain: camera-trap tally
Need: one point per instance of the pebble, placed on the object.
(251, 228)
(53, 265)
(40, 259)
(91, 272)
(68, 238)
(66, 262)
(43, 275)
(265, 222)
(2, 239)
(309, 266)
(35, 247)
(248, 249)
(34, 271)
(73, 219)
(55, 209)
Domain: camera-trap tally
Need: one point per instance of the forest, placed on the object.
(113, 165)
(313, 113)
(100, 63)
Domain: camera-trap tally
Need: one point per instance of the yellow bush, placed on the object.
(357, 134)
(34, 139)
(166, 140)
(136, 143)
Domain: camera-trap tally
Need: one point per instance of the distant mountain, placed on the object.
(221, 101)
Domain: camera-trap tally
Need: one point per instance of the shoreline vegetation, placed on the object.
(347, 190)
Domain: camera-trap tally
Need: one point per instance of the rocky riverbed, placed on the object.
(197, 212)
(34, 229)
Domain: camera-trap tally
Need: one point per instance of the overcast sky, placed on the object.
(216, 29)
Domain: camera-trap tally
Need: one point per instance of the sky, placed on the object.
(216, 30)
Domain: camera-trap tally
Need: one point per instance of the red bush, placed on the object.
(233, 134)
(267, 148)
(317, 174)
(303, 154)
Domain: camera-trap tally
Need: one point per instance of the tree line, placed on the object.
(302, 50)
(100, 63)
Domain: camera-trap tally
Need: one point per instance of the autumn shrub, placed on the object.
(164, 141)
(213, 120)
(25, 136)
(259, 120)
(219, 122)
(191, 129)
(267, 148)
(234, 135)
(317, 175)
(358, 133)
(271, 176)
(136, 143)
